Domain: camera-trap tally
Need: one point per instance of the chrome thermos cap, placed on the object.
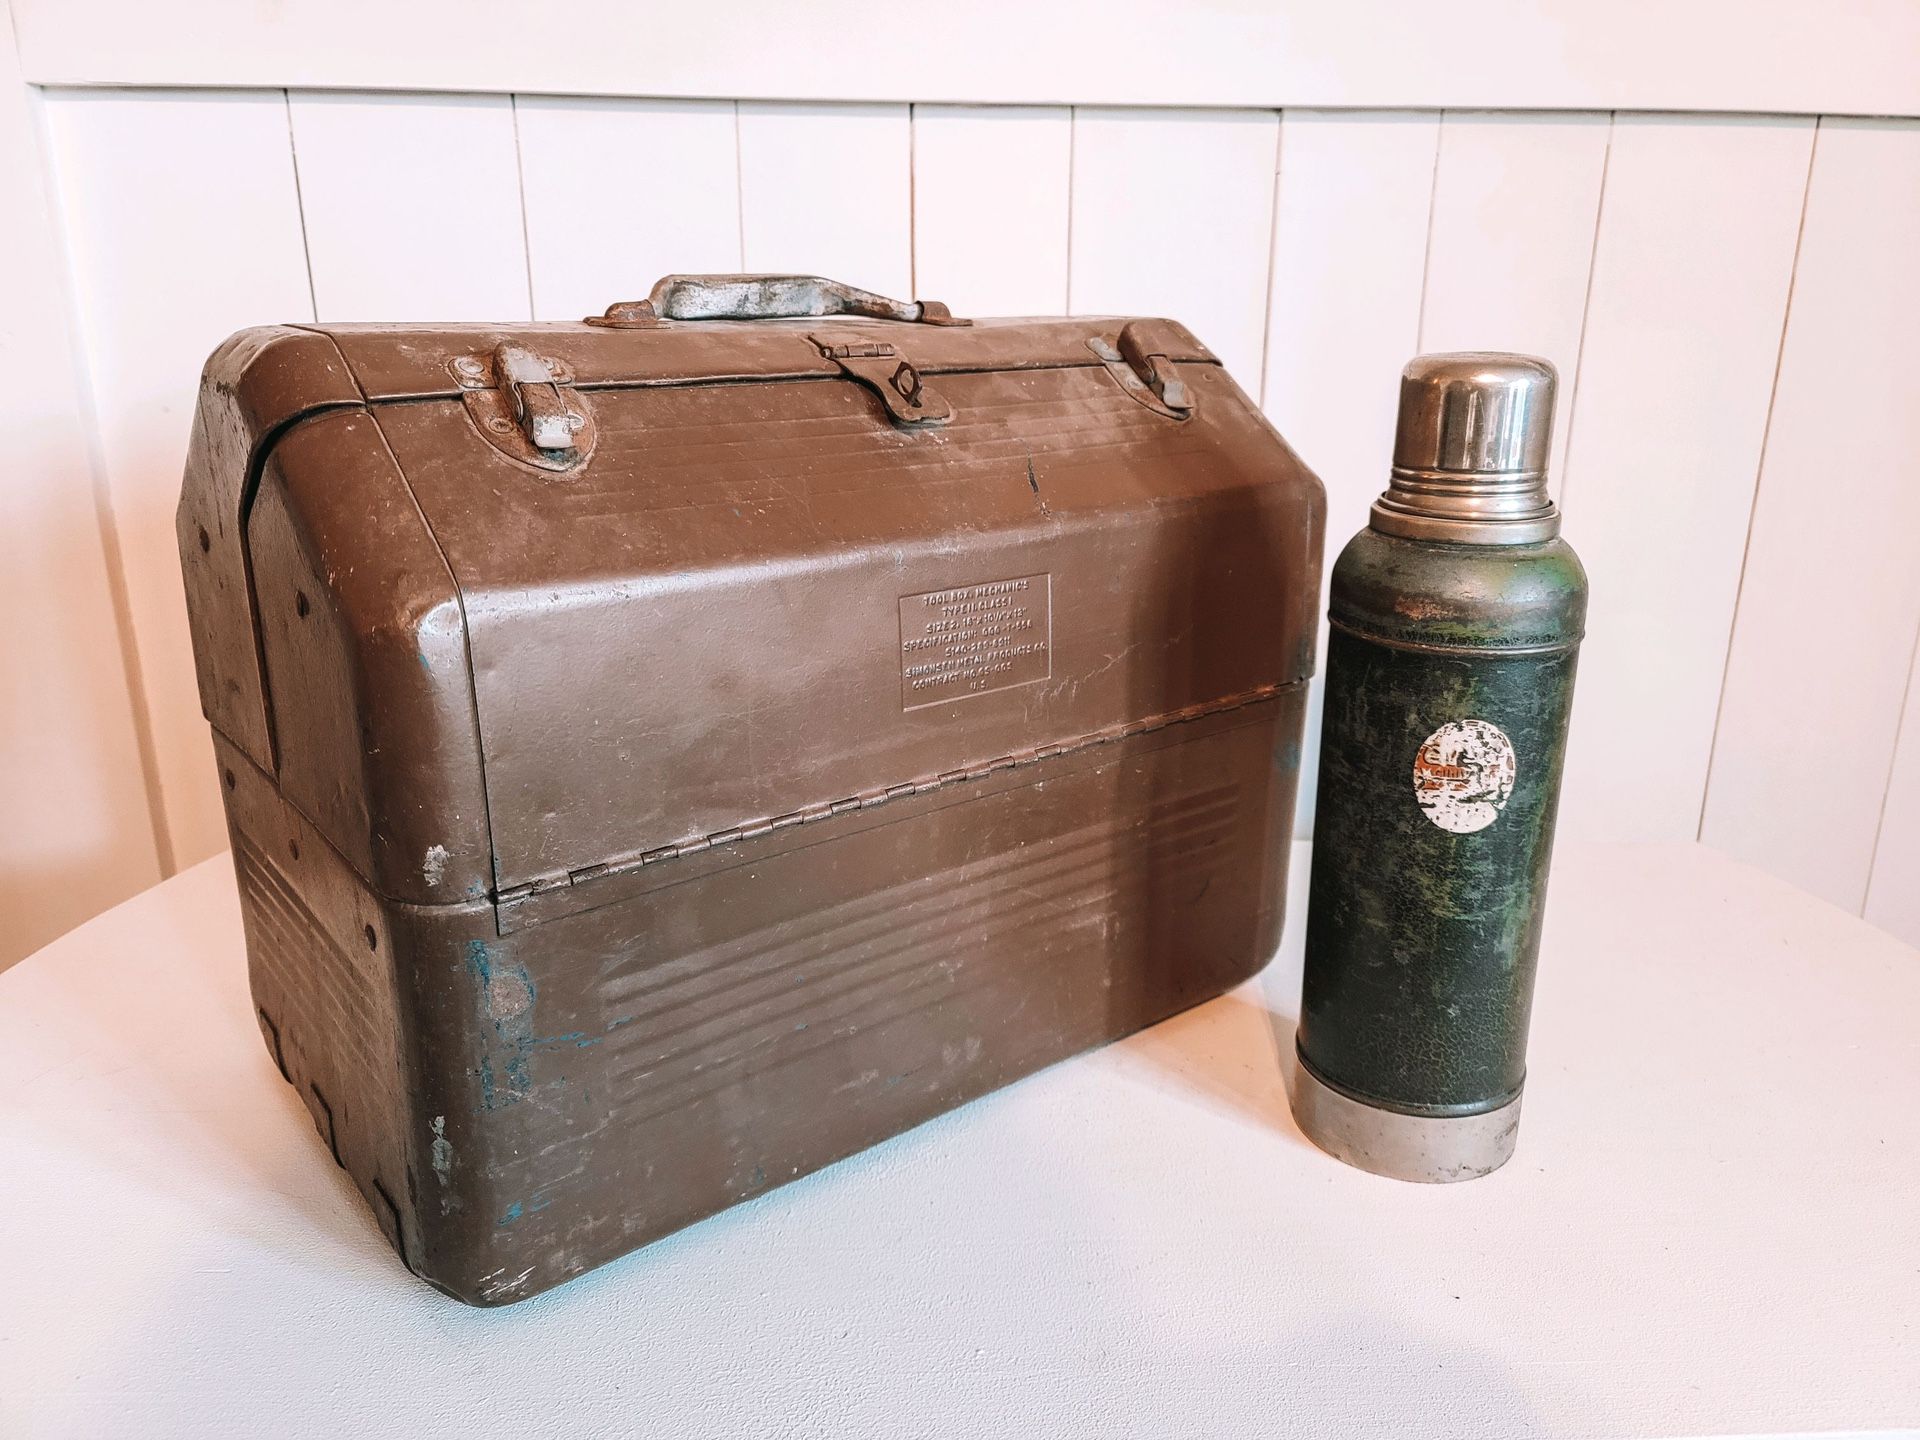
(1470, 454)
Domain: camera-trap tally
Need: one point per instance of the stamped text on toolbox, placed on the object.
(975, 639)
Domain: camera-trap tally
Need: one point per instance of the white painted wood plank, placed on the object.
(79, 833)
(1893, 892)
(1846, 56)
(1515, 202)
(621, 192)
(1691, 270)
(1349, 249)
(1173, 216)
(827, 190)
(1830, 598)
(990, 208)
(412, 206)
(182, 226)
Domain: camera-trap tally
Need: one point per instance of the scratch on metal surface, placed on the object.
(442, 1151)
(492, 1287)
(1033, 482)
(506, 997)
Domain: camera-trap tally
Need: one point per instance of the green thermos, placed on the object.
(1455, 618)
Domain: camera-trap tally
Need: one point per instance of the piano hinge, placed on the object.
(867, 799)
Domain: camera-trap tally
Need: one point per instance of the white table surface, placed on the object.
(1712, 1225)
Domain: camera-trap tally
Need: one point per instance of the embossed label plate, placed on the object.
(975, 639)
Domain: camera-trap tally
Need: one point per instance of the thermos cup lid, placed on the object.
(1470, 453)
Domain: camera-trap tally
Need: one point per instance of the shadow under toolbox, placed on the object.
(666, 754)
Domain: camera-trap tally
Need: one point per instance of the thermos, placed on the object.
(1455, 618)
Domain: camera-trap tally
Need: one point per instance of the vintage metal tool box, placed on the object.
(668, 753)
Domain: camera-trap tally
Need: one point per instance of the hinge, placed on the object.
(508, 899)
(910, 401)
(1145, 373)
(525, 406)
(626, 315)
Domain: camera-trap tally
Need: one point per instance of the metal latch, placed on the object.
(910, 401)
(526, 407)
(1144, 373)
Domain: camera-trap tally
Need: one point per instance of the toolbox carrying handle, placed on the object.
(774, 297)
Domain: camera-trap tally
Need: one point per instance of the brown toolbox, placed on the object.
(666, 754)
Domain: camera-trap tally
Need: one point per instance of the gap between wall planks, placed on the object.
(1316, 251)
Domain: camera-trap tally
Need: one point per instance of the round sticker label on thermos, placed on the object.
(1463, 775)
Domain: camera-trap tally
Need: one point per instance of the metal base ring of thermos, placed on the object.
(1429, 1149)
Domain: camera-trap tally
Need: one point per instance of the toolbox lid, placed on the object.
(800, 565)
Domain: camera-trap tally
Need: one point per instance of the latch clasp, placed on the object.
(525, 406)
(910, 401)
(1145, 373)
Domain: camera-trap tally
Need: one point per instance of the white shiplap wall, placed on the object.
(1726, 298)
(167, 258)
(1688, 291)
(76, 829)
(1829, 600)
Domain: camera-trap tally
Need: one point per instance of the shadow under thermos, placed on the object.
(1455, 619)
